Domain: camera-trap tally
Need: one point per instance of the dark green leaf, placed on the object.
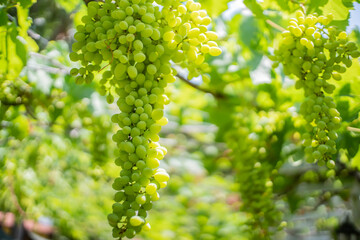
(345, 90)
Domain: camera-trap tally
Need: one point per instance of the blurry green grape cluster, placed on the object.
(138, 39)
(14, 92)
(254, 139)
(316, 53)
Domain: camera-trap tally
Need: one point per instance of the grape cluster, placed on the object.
(187, 34)
(138, 39)
(14, 92)
(254, 138)
(315, 53)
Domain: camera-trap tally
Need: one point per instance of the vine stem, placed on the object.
(31, 33)
(274, 25)
(215, 94)
(112, 53)
(353, 129)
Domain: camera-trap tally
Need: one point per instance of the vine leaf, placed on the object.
(215, 7)
(3, 16)
(338, 9)
(14, 56)
(255, 8)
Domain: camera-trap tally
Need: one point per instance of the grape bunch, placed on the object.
(253, 140)
(187, 34)
(316, 53)
(134, 43)
(14, 92)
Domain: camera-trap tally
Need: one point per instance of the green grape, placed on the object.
(141, 151)
(138, 45)
(326, 58)
(161, 176)
(157, 114)
(141, 199)
(151, 188)
(132, 72)
(136, 221)
(139, 57)
(168, 36)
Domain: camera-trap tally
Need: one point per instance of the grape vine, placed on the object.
(138, 40)
(315, 53)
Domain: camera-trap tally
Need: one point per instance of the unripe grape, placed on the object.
(141, 151)
(147, 227)
(141, 199)
(161, 177)
(139, 57)
(132, 72)
(215, 51)
(148, 18)
(113, 218)
(169, 36)
(336, 76)
(151, 188)
(151, 69)
(309, 31)
(136, 221)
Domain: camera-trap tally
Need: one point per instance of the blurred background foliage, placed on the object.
(234, 149)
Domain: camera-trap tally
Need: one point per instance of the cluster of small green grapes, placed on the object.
(315, 53)
(14, 92)
(134, 38)
(253, 139)
(187, 33)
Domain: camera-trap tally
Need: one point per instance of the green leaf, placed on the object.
(255, 60)
(20, 128)
(3, 16)
(293, 201)
(337, 8)
(14, 55)
(27, 3)
(355, 162)
(220, 116)
(69, 5)
(255, 8)
(341, 24)
(315, 5)
(345, 90)
(249, 31)
(350, 142)
(343, 107)
(24, 24)
(284, 4)
(22, 19)
(215, 7)
(357, 34)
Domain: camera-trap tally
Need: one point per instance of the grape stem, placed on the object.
(31, 33)
(353, 129)
(215, 94)
(112, 54)
(274, 25)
